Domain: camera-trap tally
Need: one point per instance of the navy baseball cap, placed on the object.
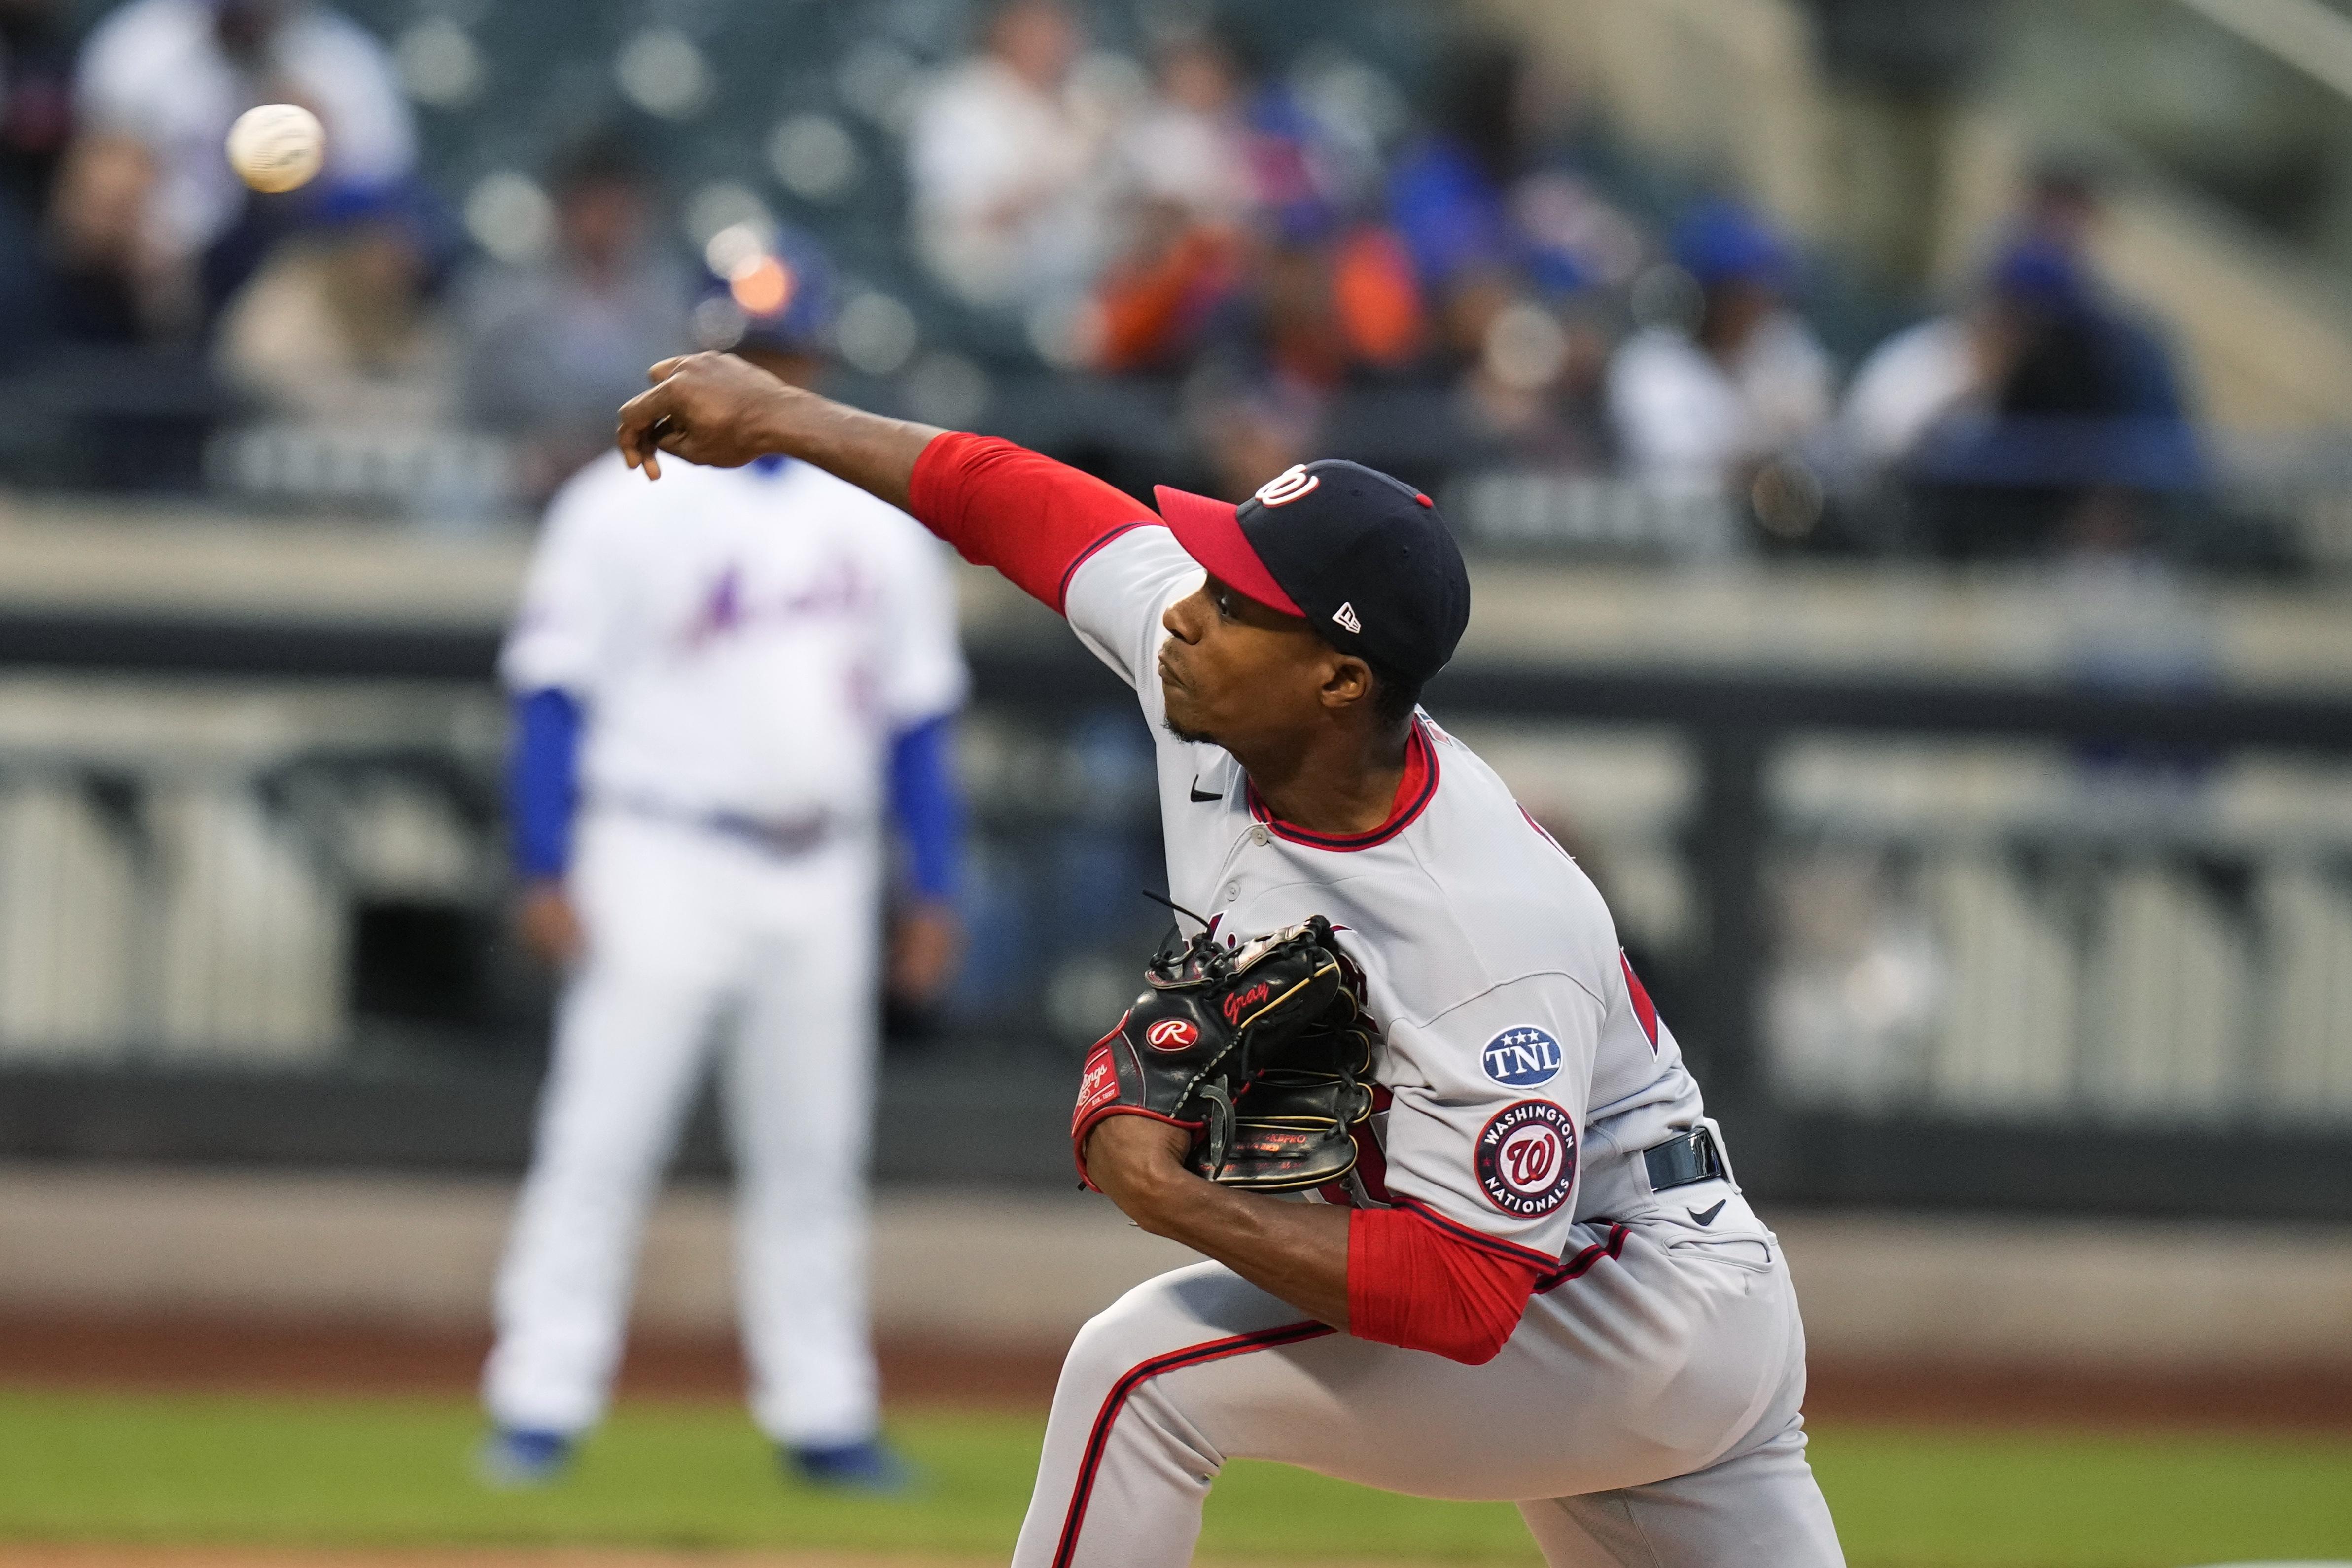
(766, 290)
(1362, 558)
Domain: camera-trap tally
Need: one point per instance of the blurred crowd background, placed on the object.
(1904, 446)
(1859, 295)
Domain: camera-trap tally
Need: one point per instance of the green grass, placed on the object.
(384, 1471)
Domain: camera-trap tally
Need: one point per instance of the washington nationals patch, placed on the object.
(1527, 1158)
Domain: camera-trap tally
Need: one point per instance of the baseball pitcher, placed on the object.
(727, 673)
(1535, 1278)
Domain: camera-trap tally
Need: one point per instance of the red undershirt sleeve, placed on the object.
(1019, 511)
(1411, 1284)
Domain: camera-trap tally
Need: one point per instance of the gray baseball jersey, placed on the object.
(1525, 1065)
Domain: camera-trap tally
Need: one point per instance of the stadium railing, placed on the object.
(1988, 943)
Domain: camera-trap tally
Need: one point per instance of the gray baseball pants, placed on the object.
(1645, 1413)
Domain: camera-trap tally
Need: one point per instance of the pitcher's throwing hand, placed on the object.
(705, 408)
(719, 411)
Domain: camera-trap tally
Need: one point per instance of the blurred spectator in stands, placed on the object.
(1335, 302)
(1007, 163)
(2082, 431)
(1484, 209)
(2062, 207)
(2052, 261)
(36, 68)
(1183, 193)
(2042, 339)
(341, 324)
(1176, 277)
(1928, 375)
(553, 348)
(1711, 402)
(1275, 282)
(1536, 386)
(174, 74)
(110, 277)
(1189, 145)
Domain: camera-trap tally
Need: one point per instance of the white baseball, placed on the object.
(277, 146)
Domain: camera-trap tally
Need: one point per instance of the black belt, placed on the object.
(1682, 1159)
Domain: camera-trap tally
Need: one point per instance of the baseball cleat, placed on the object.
(870, 1466)
(516, 1459)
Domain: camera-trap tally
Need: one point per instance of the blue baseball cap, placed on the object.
(1721, 241)
(2044, 275)
(1362, 557)
(777, 292)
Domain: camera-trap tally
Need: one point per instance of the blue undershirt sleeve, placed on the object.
(927, 806)
(543, 781)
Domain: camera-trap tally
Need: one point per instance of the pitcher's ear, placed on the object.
(1351, 681)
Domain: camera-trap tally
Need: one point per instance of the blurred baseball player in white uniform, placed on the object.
(718, 682)
(1541, 1285)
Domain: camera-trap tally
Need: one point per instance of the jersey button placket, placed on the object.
(1256, 837)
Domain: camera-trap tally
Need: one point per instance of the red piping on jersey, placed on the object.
(1576, 1267)
(1539, 828)
(1004, 505)
(1098, 1439)
(1062, 593)
(1495, 1244)
(1414, 792)
(1645, 1011)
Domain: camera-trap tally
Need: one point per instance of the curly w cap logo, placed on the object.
(1525, 1158)
(1287, 485)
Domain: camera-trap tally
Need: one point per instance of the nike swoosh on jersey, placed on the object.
(1706, 1216)
(1198, 797)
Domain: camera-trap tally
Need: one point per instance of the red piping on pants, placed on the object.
(1137, 1375)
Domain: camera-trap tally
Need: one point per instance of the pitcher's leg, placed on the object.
(799, 1108)
(1761, 1507)
(1125, 1468)
(1198, 1367)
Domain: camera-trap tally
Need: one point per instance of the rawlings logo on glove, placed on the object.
(1257, 1052)
(1172, 1034)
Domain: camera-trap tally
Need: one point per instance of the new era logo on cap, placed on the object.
(1361, 556)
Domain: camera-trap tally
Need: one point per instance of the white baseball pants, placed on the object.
(1648, 1406)
(688, 931)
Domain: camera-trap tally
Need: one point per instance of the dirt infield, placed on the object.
(61, 1556)
(66, 1556)
(149, 1355)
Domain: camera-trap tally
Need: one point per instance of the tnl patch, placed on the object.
(1525, 1158)
(1522, 1056)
